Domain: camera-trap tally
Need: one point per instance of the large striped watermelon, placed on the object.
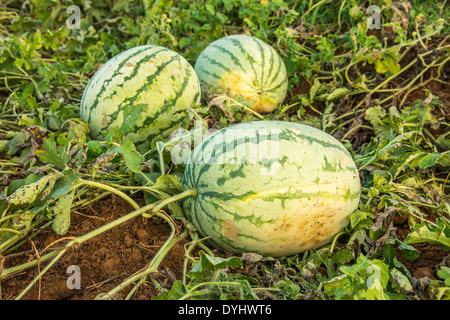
(151, 75)
(271, 187)
(245, 65)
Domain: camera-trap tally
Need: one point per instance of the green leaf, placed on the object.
(207, 265)
(434, 234)
(343, 256)
(359, 216)
(366, 279)
(444, 273)
(409, 252)
(389, 253)
(131, 115)
(429, 160)
(289, 289)
(94, 148)
(177, 291)
(50, 155)
(386, 150)
(132, 157)
(374, 115)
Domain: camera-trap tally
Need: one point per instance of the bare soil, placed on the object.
(104, 261)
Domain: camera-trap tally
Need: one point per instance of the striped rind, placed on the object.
(245, 65)
(293, 198)
(155, 76)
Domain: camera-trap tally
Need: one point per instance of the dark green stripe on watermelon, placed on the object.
(149, 81)
(275, 75)
(210, 73)
(249, 58)
(271, 63)
(263, 58)
(117, 71)
(168, 105)
(233, 57)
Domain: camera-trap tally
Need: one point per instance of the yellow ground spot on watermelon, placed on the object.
(229, 230)
(330, 218)
(264, 105)
(129, 64)
(300, 232)
(237, 82)
(285, 226)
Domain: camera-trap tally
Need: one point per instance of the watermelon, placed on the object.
(275, 188)
(156, 77)
(244, 65)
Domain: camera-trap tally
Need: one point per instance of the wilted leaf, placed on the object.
(401, 281)
(18, 140)
(359, 216)
(61, 213)
(168, 183)
(219, 102)
(79, 130)
(24, 220)
(314, 89)
(251, 257)
(337, 93)
(28, 193)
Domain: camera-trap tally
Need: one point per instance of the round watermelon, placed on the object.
(159, 79)
(271, 187)
(244, 65)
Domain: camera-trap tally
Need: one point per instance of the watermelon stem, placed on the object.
(182, 195)
(111, 189)
(243, 106)
(335, 239)
(160, 146)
